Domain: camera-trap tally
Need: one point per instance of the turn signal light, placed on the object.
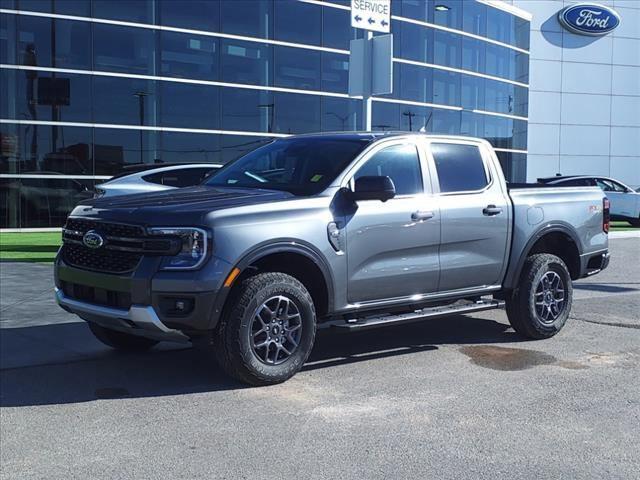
(606, 217)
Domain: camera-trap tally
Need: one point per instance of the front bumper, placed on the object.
(138, 320)
(140, 303)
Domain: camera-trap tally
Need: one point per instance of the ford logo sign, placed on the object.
(589, 19)
(93, 239)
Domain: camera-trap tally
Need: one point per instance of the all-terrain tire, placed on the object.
(234, 339)
(119, 340)
(524, 308)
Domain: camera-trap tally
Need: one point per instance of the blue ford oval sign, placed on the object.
(589, 19)
(93, 239)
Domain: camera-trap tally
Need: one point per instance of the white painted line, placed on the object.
(624, 234)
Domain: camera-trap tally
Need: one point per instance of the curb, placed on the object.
(625, 234)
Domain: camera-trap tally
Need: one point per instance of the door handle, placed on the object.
(491, 210)
(421, 216)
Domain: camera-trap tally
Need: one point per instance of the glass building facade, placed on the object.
(89, 86)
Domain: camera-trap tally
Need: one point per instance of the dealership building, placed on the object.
(88, 87)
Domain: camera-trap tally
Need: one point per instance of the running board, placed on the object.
(417, 315)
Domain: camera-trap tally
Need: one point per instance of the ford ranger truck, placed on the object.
(349, 231)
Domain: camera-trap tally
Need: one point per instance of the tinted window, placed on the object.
(577, 182)
(401, 163)
(179, 178)
(123, 49)
(297, 68)
(189, 106)
(298, 22)
(128, 101)
(132, 10)
(247, 17)
(189, 56)
(302, 166)
(460, 167)
(193, 14)
(246, 62)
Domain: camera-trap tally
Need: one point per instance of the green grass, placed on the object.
(29, 247)
(621, 226)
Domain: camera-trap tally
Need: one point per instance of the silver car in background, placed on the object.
(625, 201)
(156, 179)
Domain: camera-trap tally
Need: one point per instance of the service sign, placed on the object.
(371, 15)
(588, 19)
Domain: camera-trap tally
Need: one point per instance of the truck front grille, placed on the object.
(103, 260)
(99, 296)
(123, 248)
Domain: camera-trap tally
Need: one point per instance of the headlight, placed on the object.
(193, 251)
(98, 193)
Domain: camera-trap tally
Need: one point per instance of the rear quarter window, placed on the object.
(460, 167)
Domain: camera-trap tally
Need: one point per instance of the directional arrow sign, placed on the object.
(371, 15)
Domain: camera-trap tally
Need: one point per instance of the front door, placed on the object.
(392, 246)
(475, 216)
(623, 202)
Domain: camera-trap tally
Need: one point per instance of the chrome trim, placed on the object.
(144, 318)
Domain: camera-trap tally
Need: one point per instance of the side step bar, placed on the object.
(417, 315)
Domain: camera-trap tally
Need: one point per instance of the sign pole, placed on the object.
(366, 97)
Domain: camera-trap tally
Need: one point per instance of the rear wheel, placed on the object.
(120, 340)
(268, 332)
(542, 303)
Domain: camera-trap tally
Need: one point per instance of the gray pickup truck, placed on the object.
(348, 231)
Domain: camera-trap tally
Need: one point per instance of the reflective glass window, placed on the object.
(416, 9)
(11, 155)
(416, 83)
(247, 17)
(385, 116)
(245, 109)
(460, 167)
(447, 49)
(501, 97)
(415, 119)
(189, 56)
(7, 39)
(519, 134)
(448, 13)
(298, 22)
(123, 49)
(140, 11)
(55, 149)
(246, 62)
(473, 54)
(127, 101)
(399, 162)
(341, 114)
(114, 149)
(296, 113)
(500, 25)
(446, 87)
(33, 5)
(415, 42)
(471, 124)
(53, 97)
(297, 68)
(474, 18)
(472, 92)
(523, 29)
(70, 48)
(189, 106)
(498, 131)
(500, 61)
(234, 146)
(335, 33)
(68, 7)
(44, 202)
(514, 165)
(179, 147)
(192, 14)
(446, 121)
(335, 72)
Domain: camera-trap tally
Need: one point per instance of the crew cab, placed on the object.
(347, 231)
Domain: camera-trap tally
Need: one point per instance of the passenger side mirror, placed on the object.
(374, 188)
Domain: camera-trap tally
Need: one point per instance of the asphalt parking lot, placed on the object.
(462, 397)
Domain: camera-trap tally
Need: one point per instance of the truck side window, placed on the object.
(399, 162)
(460, 167)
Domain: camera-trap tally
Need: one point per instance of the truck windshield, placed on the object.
(301, 166)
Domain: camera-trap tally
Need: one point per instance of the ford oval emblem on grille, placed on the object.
(93, 239)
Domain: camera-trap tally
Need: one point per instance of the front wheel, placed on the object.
(541, 305)
(268, 332)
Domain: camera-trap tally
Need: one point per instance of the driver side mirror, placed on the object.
(374, 188)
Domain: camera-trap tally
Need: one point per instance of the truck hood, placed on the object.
(183, 206)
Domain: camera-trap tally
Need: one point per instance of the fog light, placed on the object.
(176, 306)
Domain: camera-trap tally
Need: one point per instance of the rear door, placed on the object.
(392, 246)
(474, 214)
